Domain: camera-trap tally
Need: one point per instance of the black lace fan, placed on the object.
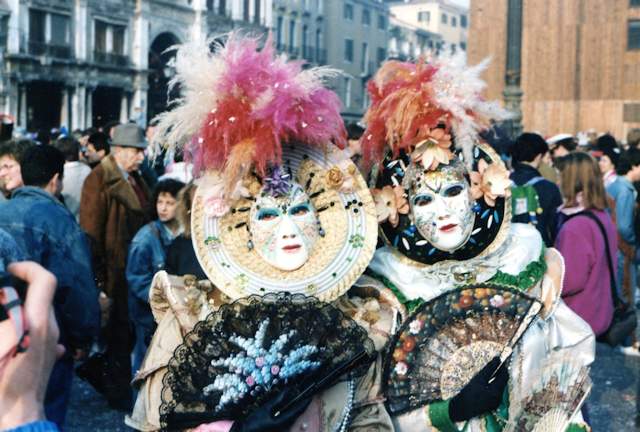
(248, 351)
(449, 339)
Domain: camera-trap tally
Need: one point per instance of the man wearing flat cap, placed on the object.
(113, 207)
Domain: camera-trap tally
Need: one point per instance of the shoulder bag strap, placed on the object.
(612, 279)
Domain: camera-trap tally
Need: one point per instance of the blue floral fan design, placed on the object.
(247, 352)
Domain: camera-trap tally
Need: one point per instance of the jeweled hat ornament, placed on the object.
(279, 206)
(441, 195)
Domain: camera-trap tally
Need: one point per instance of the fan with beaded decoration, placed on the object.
(248, 351)
(449, 339)
(551, 403)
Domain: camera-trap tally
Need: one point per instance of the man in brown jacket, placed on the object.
(114, 205)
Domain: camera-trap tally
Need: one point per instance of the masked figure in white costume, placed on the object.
(444, 212)
(283, 224)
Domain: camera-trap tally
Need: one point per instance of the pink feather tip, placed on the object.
(262, 102)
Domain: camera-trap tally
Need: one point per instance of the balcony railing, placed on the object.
(46, 49)
(314, 55)
(111, 59)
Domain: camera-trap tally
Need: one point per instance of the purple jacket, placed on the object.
(587, 286)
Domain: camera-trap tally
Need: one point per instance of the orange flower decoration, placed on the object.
(390, 204)
(434, 150)
(490, 181)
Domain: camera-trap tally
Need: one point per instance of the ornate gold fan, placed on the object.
(449, 339)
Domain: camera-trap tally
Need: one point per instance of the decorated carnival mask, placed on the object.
(284, 226)
(441, 206)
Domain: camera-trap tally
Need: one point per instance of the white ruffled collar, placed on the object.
(523, 246)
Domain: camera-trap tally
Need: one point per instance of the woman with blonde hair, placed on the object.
(585, 239)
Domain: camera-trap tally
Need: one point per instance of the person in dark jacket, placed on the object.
(48, 234)
(181, 256)
(114, 205)
(147, 255)
(527, 154)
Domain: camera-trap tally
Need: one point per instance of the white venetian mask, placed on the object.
(441, 207)
(284, 229)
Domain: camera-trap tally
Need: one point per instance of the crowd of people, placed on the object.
(88, 218)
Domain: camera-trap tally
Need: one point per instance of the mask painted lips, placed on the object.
(448, 227)
(292, 248)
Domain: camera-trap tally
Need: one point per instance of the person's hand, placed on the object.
(263, 420)
(105, 308)
(479, 395)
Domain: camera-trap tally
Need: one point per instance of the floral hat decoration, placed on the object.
(423, 129)
(279, 206)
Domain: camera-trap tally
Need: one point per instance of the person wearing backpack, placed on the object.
(587, 277)
(534, 199)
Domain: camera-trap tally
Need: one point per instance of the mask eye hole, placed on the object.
(299, 210)
(422, 200)
(452, 191)
(268, 214)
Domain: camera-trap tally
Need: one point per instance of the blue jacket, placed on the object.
(9, 253)
(549, 198)
(147, 255)
(623, 192)
(48, 234)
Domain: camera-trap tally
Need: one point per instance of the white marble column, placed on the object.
(22, 115)
(124, 108)
(88, 111)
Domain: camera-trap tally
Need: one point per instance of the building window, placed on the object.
(118, 39)
(257, 14)
(307, 52)
(348, 11)
(37, 23)
(364, 64)
(366, 17)
(424, 16)
(60, 30)
(245, 10)
(321, 57)
(347, 92)
(382, 22)
(100, 37)
(444, 19)
(210, 5)
(463, 46)
(454, 22)
(4, 31)
(381, 55)
(634, 3)
(222, 7)
(348, 50)
(109, 44)
(279, 32)
(292, 35)
(633, 35)
(631, 113)
(463, 21)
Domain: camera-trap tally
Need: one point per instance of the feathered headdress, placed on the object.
(414, 103)
(239, 104)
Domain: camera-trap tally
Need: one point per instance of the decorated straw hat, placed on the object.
(279, 206)
(423, 140)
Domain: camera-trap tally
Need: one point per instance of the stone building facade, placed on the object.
(579, 61)
(444, 18)
(357, 34)
(82, 63)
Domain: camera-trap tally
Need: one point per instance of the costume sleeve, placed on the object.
(93, 220)
(556, 201)
(578, 258)
(139, 269)
(439, 417)
(625, 204)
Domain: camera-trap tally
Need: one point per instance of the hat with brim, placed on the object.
(129, 135)
(346, 212)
